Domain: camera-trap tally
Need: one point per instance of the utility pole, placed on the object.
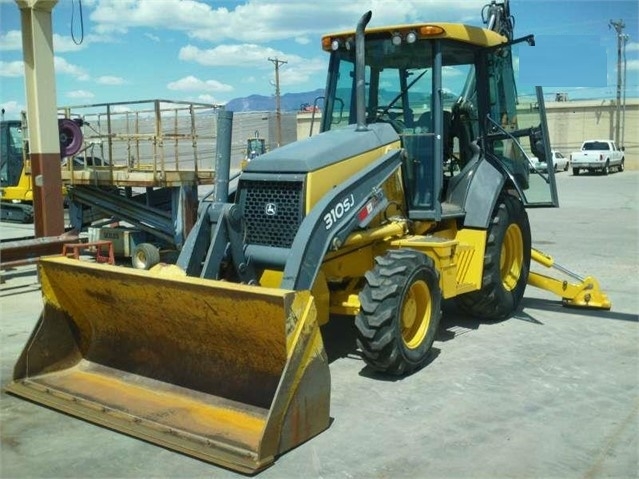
(618, 26)
(278, 114)
(625, 37)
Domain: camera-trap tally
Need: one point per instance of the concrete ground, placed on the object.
(550, 393)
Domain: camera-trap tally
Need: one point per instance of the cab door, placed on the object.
(516, 132)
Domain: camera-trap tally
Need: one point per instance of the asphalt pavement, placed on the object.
(550, 393)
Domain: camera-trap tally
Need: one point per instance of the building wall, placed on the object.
(569, 124)
(572, 122)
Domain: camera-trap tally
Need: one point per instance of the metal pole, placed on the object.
(278, 113)
(42, 116)
(223, 155)
(623, 117)
(618, 26)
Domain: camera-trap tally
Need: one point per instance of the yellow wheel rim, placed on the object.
(512, 257)
(416, 312)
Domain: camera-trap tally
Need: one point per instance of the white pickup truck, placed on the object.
(600, 155)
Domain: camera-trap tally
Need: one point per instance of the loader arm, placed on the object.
(319, 232)
(584, 293)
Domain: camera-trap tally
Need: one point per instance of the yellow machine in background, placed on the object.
(220, 356)
(15, 175)
(255, 147)
(16, 181)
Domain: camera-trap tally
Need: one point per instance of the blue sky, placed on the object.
(214, 51)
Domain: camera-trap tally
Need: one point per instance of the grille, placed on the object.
(282, 200)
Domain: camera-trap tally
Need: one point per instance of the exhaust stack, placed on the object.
(360, 71)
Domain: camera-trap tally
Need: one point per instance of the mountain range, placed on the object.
(288, 101)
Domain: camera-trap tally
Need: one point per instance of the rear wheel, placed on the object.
(145, 256)
(400, 312)
(606, 169)
(506, 264)
(575, 171)
(621, 167)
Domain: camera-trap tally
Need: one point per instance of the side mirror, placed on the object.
(536, 143)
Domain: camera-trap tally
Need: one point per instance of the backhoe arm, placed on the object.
(584, 293)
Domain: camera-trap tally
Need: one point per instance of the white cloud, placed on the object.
(632, 47)
(451, 72)
(64, 67)
(247, 55)
(208, 99)
(301, 71)
(632, 65)
(11, 41)
(12, 109)
(62, 44)
(191, 83)
(295, 70)
(110, 80)
(12, 69)
(152, 37)
(267, 20)
(80, 94)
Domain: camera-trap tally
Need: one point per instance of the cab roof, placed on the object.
(480, 37)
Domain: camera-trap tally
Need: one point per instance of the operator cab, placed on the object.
(11, 152)
(448, 90)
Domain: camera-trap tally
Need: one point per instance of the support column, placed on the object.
(42, 116)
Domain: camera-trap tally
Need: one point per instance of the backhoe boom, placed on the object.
(584, 293)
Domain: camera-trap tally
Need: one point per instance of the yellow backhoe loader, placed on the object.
(414, 193)
(16, 189)
(16, 180)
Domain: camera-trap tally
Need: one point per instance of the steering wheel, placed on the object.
(383, 115)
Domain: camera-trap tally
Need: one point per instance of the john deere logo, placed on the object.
(270, 209)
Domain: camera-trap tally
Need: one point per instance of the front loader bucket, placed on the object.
(231, 374)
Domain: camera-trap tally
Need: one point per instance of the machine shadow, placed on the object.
(340, 335)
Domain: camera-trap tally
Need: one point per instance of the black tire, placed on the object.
(621, 166)
(575, 171)
(145, 256)
(400, 312)
(506, 264)
(606, 169)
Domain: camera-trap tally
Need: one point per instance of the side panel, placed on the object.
(482, 189)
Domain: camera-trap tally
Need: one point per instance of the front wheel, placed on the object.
(506, 263)
(145, 256)
(400, 312)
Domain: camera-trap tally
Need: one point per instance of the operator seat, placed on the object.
(425, 124)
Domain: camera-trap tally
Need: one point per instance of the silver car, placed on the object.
(559, 161)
